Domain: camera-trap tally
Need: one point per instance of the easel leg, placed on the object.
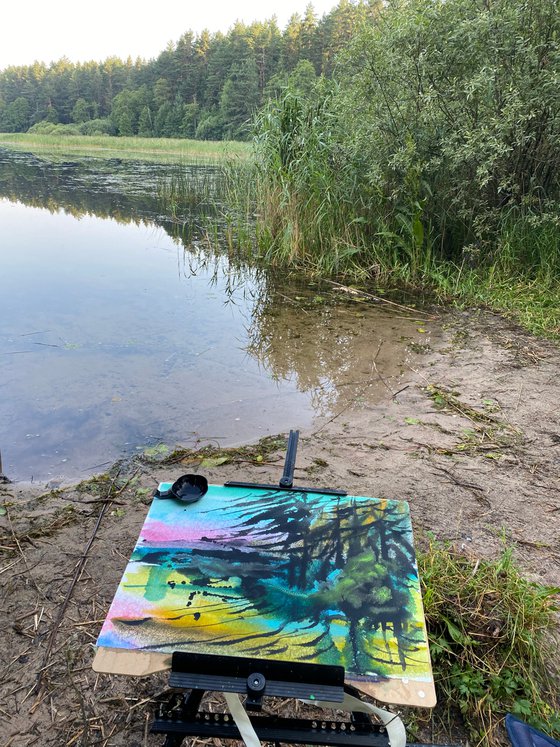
(172, 740)
(185, 710)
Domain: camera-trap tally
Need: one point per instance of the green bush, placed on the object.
(306, 211)
(51, 128)
(434, 154)
(451, 109)
(98, 127)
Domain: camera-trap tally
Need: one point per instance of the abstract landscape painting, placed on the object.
(276, 574)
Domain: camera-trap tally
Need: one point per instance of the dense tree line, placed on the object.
(205, 86)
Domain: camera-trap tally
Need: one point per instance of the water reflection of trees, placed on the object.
(295, 333)
(139, 193)
(320, 340)
(125, 191)
(291, 331)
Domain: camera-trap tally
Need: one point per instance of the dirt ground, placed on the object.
(469, 434)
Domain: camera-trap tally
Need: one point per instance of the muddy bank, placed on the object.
(468, 432)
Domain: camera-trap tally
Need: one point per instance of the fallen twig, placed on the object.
(377, 299)
(16, 540)
(378, 372)
(400, 390)
(7, 568)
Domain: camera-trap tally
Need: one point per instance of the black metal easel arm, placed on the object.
(256, 677)
(274, 729)
(356, 730)
(287, 479)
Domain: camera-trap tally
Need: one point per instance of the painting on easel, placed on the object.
(289, 575)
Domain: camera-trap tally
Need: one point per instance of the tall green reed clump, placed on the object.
(307, 210)
(492, 642)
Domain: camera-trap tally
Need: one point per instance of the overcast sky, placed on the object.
(48, 30)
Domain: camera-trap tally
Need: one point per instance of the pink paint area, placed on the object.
(126, 606)
(155, 531)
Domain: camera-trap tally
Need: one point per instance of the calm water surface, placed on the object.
(115, 336)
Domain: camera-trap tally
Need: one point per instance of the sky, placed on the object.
(46, 31)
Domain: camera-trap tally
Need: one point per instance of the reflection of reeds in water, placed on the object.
(189, 189)
(222, 199)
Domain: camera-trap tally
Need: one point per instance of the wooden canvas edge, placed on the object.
(129, 662)
(133, 663)
(414, 693)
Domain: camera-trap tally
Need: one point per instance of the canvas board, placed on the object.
(287, 575)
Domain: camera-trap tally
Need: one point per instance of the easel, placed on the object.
(194, 674)
(180, 717)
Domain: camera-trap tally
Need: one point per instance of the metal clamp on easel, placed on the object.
(287, 479)
(194, 674)
(256, 677)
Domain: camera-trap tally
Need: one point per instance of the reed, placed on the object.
(187, 189)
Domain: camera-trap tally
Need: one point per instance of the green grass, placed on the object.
(313, 233)
(157, 149)
(491, 641)
(532, 302)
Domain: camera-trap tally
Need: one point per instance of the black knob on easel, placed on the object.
(256, 684)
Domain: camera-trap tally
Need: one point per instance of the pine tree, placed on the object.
(240, 99)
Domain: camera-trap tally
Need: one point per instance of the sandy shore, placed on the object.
(469, 435)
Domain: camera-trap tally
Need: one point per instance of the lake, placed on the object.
(119, 332)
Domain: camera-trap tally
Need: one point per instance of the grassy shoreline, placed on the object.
(532, 303)
(107, 146)
(269, 229)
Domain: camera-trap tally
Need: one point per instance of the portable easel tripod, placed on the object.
(194, 674)
(287, 479)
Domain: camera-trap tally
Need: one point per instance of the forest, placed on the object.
(204, 86)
